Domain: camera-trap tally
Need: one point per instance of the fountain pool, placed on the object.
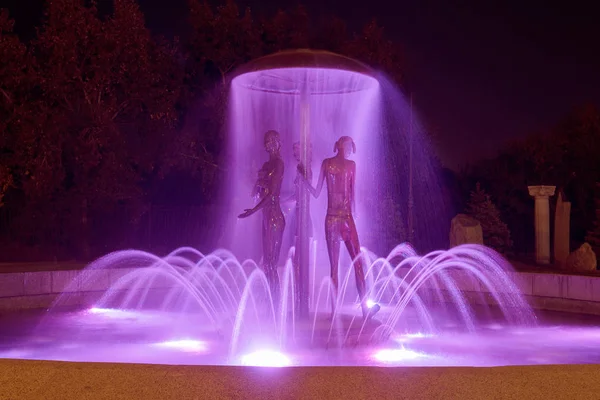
(190, 308)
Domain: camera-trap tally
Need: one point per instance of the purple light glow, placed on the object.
(191, 345)
(193, 308)
(113, 313)
(397, 356)
(266, 358)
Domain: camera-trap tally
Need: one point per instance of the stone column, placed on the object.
(562, 236)
(542, 221)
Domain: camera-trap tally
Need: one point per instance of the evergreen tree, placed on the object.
(593, 234)
(495, 232)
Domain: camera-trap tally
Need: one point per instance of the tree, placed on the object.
(222, 39)
(94, 111)
(495, 232)
(578, 136)
(372, 47)
(15, 84)
(286, 30)
(331, 34)
(105, 117)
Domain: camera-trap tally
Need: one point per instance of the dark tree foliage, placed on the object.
(495, 232)
(96, 112)
(15, 85)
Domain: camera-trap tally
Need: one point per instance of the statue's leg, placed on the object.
(353, 246)
(278, 229)
(271, 245)
(350, 236)
(333, 248)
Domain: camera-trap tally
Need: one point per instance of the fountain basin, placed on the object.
(39, 289)
(190, 308)
(106, 353)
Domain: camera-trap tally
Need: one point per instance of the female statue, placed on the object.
(340, 173)
(267, 189)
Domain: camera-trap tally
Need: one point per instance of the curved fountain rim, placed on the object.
(303, 59)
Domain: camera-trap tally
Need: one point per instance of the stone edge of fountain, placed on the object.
(544, 291)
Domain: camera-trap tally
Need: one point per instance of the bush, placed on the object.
(495, 232)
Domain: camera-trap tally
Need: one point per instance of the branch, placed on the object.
(120, 109)
(5, 93)
(85, 94)
(202, 160)
(69, 106)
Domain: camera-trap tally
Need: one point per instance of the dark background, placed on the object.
(481, 73)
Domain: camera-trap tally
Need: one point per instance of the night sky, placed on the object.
(480, 74)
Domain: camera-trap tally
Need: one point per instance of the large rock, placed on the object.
(581, 260)
(465, 229)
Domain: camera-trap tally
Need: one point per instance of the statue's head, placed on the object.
(298, 154)
(345, 146)
(272, 141)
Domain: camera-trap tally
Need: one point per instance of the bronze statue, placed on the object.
(267, 190)
(340, 174)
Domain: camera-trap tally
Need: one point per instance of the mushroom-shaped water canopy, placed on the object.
(318, 72)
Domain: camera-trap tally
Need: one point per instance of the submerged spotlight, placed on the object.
(266, 358)
(190, 345)
(397, 355)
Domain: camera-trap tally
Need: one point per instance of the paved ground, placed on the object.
(55, 380)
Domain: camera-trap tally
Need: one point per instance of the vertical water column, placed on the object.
(302, 277)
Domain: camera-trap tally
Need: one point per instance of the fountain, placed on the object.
(454, 307)
(188, 307)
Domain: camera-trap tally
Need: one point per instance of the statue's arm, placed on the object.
(256, 189)
(316, 191)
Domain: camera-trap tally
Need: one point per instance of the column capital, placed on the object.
(541, 191)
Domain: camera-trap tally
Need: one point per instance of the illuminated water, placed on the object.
(187, 308)
(393, 154)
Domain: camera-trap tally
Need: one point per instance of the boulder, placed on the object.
(465, 229)
(582, 260)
